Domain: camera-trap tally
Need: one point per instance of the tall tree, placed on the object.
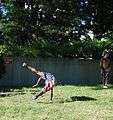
(51, 24)
(98, 15)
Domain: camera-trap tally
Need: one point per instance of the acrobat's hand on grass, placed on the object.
(34, 85)
(24, 64)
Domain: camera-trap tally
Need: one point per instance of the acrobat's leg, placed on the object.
(43, 91)
(51, 94)
(38, 95)
(32, 69)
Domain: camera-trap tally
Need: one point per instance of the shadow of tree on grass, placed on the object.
(10, 94)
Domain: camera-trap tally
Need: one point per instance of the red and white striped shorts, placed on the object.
(49, 85)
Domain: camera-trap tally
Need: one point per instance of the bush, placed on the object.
(74, 49)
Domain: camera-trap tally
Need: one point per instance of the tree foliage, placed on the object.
(54, 28)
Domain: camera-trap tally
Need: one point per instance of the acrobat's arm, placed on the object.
(37, 82)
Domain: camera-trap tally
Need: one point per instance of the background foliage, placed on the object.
(55, 28)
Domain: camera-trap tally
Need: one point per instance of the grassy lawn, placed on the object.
(69, 103)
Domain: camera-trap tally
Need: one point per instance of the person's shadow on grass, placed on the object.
(78, 98)
(82, 98)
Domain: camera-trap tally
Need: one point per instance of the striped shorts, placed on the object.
(49, 85)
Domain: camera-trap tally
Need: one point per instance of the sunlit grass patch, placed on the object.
(69, 103)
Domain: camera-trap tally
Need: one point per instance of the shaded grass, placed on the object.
(69, 103)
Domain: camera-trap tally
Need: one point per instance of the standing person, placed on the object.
(105, 66)
(49, 81)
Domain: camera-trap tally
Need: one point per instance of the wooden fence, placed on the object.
(66, 71)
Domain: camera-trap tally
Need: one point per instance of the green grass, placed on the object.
(69, 103)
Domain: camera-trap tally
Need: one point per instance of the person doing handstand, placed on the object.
(47, 77)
